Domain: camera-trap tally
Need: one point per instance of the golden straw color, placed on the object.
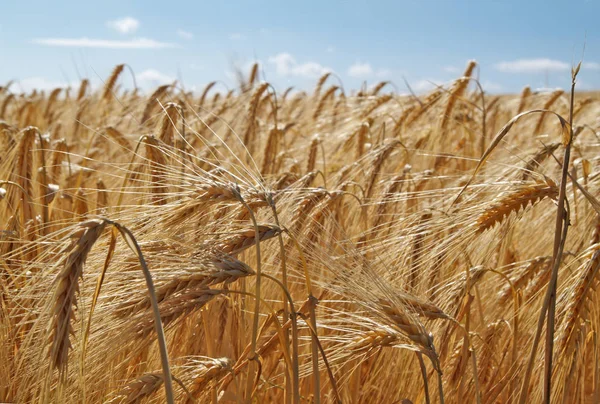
(318, 245)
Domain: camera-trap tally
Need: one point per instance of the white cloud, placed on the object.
(583, 85)
(360, 70)
(185, 34)
(491, 86)
(236, 36)
(591, 65)
(383, 73)
(365, 70)
(153, 78)
(127, 25)
(231, 76)
(309, 69)
(532, 66)
(84, 42)
(286, 65)
(451, 69)
(38, 83)
(330, 49)
(547, 89)
(425, 85)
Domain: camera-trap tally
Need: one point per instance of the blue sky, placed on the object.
(46, 44)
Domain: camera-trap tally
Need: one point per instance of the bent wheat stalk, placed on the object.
(85, 236)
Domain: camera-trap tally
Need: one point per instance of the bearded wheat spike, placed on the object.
(577, 303)
(551, 100)
(538, 158)
(271, 149)
(5, 103)
(118, 137)
(205, 92)
(23, 173)
(252, 112)
(378, 87)
(202, 273)
(457, 92)
(323, 101)
(379, 156)
(491, 338)
(82, 89)
(203, 372)
(111, 82)
(320, 83)
(312, 154)
(513, 202)
(378, 102)
(101, 195)
(59, 154)
(176, 307)
(525, 94)
(253, 74)
(241, 241)
(418, 110)
(51, 101)
(521, 280)
(373, 339)
(407, 323)
(141, 388)
(157, 170)
(66, 289)
(153, 101)
(169, 123)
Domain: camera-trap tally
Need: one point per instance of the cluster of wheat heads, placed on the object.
(244, 245)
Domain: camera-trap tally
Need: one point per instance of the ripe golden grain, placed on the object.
(377, 258)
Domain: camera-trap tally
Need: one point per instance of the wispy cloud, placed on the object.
(286, 65)
(383, 73)
(40, 83)
(236, 36)
(153, 78)
(532, 65)
(365, 70)
(185, 34)
(591, 65)
(330, 49)
(425, 85)
(491, 86)
(126, 25)
(360, 70)
(451, 69)
(84, 42)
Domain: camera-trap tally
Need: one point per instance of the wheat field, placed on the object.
(327, 246)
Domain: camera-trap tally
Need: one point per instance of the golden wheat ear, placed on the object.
(110, 84)
(67, 288)
(513, 202)
(141, 388)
